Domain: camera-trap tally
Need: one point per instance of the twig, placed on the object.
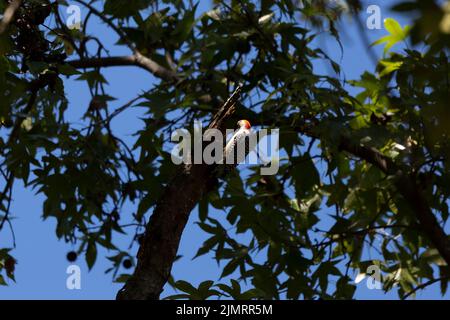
(424, 285)
(5, 194)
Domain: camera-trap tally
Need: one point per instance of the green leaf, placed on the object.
(177, 297)
(124, 9)
(92, 78)
(207, 246)
(445, 275)
(2, 281)
(389, 66)
(393, 27)
(122, 278)
(230, 267)
(396, 34)
(185, 25)
(305, 175)
(344, 289)
(91, 254)
(185, 287)
(203, 209)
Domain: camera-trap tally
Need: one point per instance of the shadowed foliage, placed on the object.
(373, 168)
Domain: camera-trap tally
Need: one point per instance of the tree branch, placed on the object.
(408, 188)
(410, 191)
(369, 154)
(163, 232)
(423, 286)
(136, 59)
(8, 15)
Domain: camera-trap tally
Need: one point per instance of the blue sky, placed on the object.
(41, 269)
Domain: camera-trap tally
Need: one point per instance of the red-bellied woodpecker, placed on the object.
(238, 146)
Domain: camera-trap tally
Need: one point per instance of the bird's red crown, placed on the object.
(244, 123)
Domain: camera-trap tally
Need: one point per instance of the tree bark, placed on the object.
(163, 233)
(165, 227)
(135, 59)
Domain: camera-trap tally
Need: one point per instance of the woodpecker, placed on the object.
(238, 146)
